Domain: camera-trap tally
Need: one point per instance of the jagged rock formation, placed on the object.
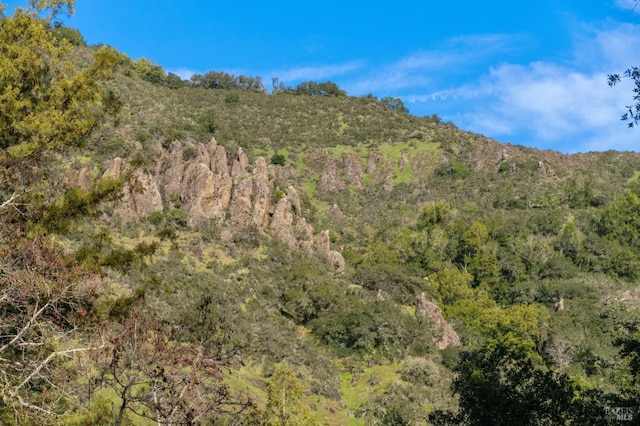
(374, 160)
(323, 244)
(353, 170)
(334, 213)
(447, 335)
(141, 194)
(403, 163)
(211, 186)
(330, 180)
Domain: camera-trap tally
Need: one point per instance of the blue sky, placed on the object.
(529, 72)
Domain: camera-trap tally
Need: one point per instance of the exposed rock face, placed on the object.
(295, 200)
(419, 164)
(85, 176)
(170, 168)
(240, 163)
(388, 175)
(403, 163)
(241, 207)
(337, 260)
(323, 245)
(541, 168)
(374, 161)
(353, 169)
(141, 194)
(282, 221)
(323, 242)
(334, 213)
(425, 308)
(211, 186)
(504, 155)
(559, 305)
(330, 179)
(262, 189)
(204, 195)
(218, 162)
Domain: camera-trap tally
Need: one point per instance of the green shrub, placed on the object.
(189, 153)
(278, 159)
(455, 170)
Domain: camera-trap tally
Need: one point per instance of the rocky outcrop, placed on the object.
(353, 170)
(330, 180)
(204, 195)
(85, 176)
(208, 185)
(262, 189)
(334, 213)
(323, 245)
(141, 195)
(446, 336)
(403, 163)
(282, 221)
(374, 160)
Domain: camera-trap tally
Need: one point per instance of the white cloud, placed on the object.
(183, 73)
(317, 72)
(629, 5)
(570, 107)
(422, 68)
(548, 101)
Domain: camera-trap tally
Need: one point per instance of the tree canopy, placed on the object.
(47, 101)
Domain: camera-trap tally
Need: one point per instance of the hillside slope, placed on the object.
(384, 268)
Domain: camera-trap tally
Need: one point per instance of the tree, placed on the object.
(315, 89)
(46, 100)
(395, 104)
(504, 382)
(284, 405)
(632, 116)
(223, 80)
(47, 103)
(45, 302)
(158, 376)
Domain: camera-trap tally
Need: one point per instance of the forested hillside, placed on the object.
(212, 252)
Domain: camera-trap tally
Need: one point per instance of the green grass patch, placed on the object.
(634, 178)
(310, 186)
(359, 387)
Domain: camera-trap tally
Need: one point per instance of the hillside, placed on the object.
(243, 257)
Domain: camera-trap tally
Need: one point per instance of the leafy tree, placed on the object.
(72, 35)
(158, 377)
(451, 285)
(278, 159)
(149, 71)
(629, 378)
(284, 400)
(504, 382)
(47, 103)
(46, 100)
(632, 116)
(315, 89)
(223, 80)
(477, 253)
(433, 214)
(395, 104)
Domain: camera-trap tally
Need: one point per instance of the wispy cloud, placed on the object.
(316, 72)
(423, 68)
(183, 73)
(568, 106)
(630, 5)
